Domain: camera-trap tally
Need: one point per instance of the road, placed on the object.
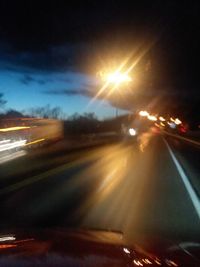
(138, 190)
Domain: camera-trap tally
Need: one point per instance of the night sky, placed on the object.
(51, 53)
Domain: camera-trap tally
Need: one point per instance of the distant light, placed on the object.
(143, 113)
(152, 118)
(158, 262)
(126, 250)
(161, 118)
(17, 128)
(138, 263)
(171, 263)
(147, 261)
(177, 121)
(162, 124)
(172, 119)
(183, 129)
(172, 125)
(132, 132)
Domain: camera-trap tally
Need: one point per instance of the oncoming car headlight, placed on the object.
(132, 132)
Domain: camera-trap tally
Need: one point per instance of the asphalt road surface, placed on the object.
(151, 189)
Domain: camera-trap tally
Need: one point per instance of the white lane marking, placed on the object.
(190, 190)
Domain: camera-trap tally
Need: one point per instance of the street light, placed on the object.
(116, 78)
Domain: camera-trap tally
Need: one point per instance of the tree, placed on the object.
(46, 112)
(90, 116)
(74, 117)
(85, 117)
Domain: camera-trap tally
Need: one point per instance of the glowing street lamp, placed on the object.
(117, 78)
(114, 79)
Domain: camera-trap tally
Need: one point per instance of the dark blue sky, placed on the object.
(50, 53)
(32, 79)
(66, 90)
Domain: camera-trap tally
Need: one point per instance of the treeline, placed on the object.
(86, 123)
(75, 124)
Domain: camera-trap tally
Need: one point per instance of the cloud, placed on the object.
(74, 83)
(66, 64)
(70, 92)
(59, 58)
(27, 79)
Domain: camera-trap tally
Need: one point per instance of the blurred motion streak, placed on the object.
(158, 262)
(7, 238)
(29, 132)
(17, 133)
(171, 263)
(138, 263)
(35, 142)
(111, 175)
(144, 140)
(14, 128)
(10, 145)
(7, 246)
(148, 261)
(11, 156)
(5, 141)
(106, 181)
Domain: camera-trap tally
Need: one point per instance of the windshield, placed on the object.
(100, 117)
